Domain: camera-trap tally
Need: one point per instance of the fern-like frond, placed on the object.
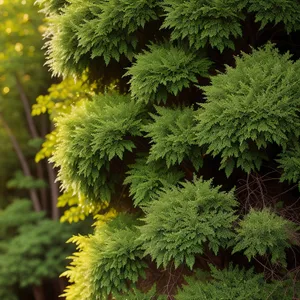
(50, 7)
(146, 179)
(228, 284)
(107, 261)
(204, 22)
(165, 69)
(276, 11)
(250, 107)
(263, 233)
(92, 29)
(289, 161)
(182, 221)
(89, 138)
(173, 137)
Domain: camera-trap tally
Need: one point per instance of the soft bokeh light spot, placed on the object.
(8, 30)
(25, 18)
(42, 28)
(18, 47)
(6, 90)
(1, 2)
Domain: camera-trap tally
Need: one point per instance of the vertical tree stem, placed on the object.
(23, 162)
(27, 108)
(38, 293)
(54, 191)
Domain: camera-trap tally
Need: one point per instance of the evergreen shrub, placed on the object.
(196, 149)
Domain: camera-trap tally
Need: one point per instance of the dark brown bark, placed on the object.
(43, 191)
(54, 191)
(23, 162)
(42, 164)
(38, 293)
(62, 285)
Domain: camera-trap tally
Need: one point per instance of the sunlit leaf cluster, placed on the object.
(93, 138)
(104, 29)
(107, 262)
(78, 207)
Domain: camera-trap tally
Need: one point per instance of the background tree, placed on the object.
(196, 152)
(22, 78)
(33, 250)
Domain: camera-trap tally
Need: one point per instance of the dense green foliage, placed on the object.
(290, 163)
(276, 11)
(213, 22)
(108, 31)
(251, 107)
(173, 137)
(229, 284)
(182, 221)
(114, 28)
(98, 131)
(164, 69)
(263, 232)
(32, 248)
(198, 89)
(146, 179)
(106, 261)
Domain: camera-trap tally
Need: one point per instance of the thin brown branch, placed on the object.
(23, 162)
(27, 107)
(54, 191)
(43, 192)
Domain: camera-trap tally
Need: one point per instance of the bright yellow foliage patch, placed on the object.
(59, 101)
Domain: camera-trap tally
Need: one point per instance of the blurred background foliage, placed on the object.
(21, 74)
(32, 241)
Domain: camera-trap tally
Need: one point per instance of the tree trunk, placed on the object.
(54, 191)
(62, 285)
(38, 293)
(42, 165)
(43, 192)
(23, 162)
